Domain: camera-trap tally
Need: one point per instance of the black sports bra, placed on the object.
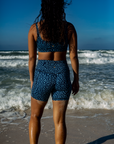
(44, 46)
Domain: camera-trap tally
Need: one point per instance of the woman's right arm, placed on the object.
(32, 53)
(74, 58)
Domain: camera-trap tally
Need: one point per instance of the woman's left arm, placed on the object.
(32, 53)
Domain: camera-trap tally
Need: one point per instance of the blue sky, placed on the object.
(93, 20)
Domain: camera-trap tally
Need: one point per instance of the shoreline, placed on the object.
(83, 127)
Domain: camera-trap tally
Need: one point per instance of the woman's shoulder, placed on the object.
(32, 28)
(70, 27)
(33, 31)
(71, 30)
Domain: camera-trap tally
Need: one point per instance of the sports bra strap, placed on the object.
(66, 32)
(37, 30)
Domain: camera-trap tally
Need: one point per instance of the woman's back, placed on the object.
(54, 52)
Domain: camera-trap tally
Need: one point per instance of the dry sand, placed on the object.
(83, 127)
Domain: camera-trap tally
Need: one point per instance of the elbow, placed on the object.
(74, 57)
(32, 58)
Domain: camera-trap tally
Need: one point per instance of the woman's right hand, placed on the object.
(75, 87)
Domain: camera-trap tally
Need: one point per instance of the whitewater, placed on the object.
(96, 79)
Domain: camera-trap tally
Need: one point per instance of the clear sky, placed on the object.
(93, 20)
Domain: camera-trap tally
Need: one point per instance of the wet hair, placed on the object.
(52, 20)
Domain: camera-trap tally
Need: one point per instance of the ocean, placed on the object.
(96, 79)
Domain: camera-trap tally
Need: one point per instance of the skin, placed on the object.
(59, 107)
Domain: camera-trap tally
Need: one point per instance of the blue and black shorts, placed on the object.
(51, 77)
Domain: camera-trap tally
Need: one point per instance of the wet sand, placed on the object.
(83, 127)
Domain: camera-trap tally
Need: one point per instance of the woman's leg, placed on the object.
(59, 110)
(37, 108)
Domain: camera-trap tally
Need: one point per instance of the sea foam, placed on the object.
(96, 79)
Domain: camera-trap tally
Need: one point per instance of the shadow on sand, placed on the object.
(102, 139)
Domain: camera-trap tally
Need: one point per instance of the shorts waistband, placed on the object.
(50, 66)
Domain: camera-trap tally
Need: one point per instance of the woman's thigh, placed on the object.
(37, 107)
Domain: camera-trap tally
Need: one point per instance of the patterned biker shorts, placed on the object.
(51, 77)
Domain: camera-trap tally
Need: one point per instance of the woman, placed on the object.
(51, 36)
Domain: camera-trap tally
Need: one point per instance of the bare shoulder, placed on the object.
(71, 26)
(71, 31)
(32, 28)
(33, 31)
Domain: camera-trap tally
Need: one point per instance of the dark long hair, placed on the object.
(53, 26)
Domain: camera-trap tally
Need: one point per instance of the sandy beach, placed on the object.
(83, 127)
